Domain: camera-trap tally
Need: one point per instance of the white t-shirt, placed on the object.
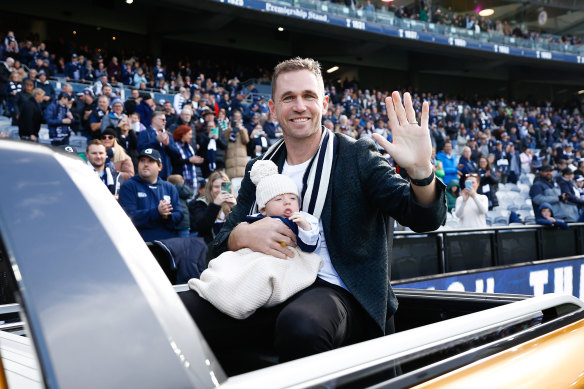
(327, 272)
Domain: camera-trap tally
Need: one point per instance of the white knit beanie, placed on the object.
(269, 183)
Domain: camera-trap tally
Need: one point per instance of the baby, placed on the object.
(239, 282)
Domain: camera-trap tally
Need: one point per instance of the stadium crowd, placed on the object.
(433, 12)
(204, 132)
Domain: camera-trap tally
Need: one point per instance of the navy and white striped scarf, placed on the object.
(189, 172)
(317, 177)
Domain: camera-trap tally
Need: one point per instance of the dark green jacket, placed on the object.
(364, 190)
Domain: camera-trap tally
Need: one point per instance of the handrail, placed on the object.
(388, 18)
(446, 251)
(486, 230)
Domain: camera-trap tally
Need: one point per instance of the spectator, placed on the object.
(127, 138)
(99, 84)
(208, 213)
(545, 217)
(213, 144)
(135, 123)
(97, 115)
(159, 73)
(31, 116)
(140, 81)
(171, 116)
(545, 190)
(75, 70)
(5, 72)
(448, 162)
(181, 99)
(156, 137)
(185, 164)
(82, 110)
(489, 181)
(465, 164)
(13, 89)
(116, 154)
(514, 163)
(472, 207)
(114, 71)
(258, 143)
(571, 201)
(113, 116)
(96, 158)
(45, 85)
(21, 97)
(60, 119)
(145, 109)
(236, 153)
(133, 101)
(152, 203)
(526, 157)
(452, 193)
(185, 118)
(185, 194)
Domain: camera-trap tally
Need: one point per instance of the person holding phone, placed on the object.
(213, 143)
(208, 212)
(472, 207)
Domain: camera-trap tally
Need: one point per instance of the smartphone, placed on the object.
(166, 198)
(215, 131)
(226, 186)
(467, 185)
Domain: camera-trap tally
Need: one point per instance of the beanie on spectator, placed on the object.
(269, 183)
(109, 131)
(180, 131)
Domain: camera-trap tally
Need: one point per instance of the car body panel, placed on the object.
(552, 360)
(91, 274)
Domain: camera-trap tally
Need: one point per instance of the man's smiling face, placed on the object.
(298, 103)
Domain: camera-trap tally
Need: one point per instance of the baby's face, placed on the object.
(283, 205)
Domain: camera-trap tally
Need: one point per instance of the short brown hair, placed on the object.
(296, 64)
(94, 142)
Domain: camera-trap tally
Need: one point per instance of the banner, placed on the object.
(533, 279)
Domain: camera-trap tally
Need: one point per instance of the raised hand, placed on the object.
(411, 147)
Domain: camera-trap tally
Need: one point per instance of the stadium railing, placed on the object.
(445, 251)
(547, 42)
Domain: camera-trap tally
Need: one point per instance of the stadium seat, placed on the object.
(78, 142)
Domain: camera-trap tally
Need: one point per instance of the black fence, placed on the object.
(418, 255)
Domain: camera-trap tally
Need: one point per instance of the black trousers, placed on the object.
(319, 318)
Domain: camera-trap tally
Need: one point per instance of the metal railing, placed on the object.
(445, 251)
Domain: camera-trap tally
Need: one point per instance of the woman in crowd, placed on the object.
(127, 138)
(116, 153)
(208, 212)
(489, 181)
(185, 165)
(258, 142)
(472, 207)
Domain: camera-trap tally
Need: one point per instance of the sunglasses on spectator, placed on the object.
(108, 137)
(472, 175)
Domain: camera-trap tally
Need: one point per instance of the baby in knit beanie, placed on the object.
(239, 282)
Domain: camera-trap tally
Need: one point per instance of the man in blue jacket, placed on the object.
(59, 119)
(152, 203)
(156, 137)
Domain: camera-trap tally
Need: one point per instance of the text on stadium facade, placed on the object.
(408, 34)
(297, 12)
